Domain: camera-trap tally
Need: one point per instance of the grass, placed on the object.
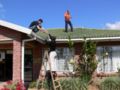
(80, 33)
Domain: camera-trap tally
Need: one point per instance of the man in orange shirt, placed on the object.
(67, 21)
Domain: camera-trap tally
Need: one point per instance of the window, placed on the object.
(104, 58)
(28, 65)
(108, 58)
(2, 55)
(64, 55)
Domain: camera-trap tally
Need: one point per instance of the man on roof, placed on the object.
(67, 17)
(36, 26)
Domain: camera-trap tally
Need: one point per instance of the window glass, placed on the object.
(28, 65)
(108, 58)
(64, 55)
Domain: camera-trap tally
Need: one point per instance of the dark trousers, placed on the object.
(49, 79)
(66, 26)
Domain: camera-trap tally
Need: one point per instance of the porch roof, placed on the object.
(15, 27)
(21, 29)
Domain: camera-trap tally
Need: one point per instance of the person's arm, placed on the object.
(41, 29)
(50, 36)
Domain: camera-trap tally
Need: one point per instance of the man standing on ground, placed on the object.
(52, 60)
(36, 26)
(67, 17)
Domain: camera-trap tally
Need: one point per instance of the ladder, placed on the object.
(55, 82)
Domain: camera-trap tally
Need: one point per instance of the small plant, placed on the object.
(70, 43)
(73, 84)
(32, 84)
(38, 85)
(14, 85)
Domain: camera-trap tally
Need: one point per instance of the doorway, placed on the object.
(6, 65)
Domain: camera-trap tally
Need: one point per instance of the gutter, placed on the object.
(23, 55)
(38, 38)
(93, 39)
(104, 38)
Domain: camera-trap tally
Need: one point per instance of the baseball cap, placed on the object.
(40, 20)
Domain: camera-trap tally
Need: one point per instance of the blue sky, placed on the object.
(85, 13)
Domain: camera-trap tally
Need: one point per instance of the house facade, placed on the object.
(22, 51)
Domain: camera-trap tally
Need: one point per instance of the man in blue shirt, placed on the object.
(36, 26)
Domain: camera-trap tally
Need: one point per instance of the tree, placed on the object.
(87, 64)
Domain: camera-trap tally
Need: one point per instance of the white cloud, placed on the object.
(115, 26)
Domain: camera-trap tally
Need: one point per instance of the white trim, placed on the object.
(104, 38)
(15, 27)
(79, 39)
(9, 39)
(93, 39)
(3, 41)
(23, 56)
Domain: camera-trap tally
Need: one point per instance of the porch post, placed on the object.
(17, 59)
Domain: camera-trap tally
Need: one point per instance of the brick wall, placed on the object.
(6, 33)
(6, 46)
(37, 60)
(17, 59)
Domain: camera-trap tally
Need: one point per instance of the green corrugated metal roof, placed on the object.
(81, 33)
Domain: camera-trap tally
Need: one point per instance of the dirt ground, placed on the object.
(95, 83)
(91, 87)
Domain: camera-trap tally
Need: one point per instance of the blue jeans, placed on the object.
(66, 26)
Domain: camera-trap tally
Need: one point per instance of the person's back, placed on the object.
(33, 24)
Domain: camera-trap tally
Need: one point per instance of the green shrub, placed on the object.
(32, 84)
(87, 62)
(73, 84)
(110, 83)
(35, 84)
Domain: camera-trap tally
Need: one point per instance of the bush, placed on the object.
(110, 83)
(73, 84)
(32, 84)
(87, 62)
(38, 84)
